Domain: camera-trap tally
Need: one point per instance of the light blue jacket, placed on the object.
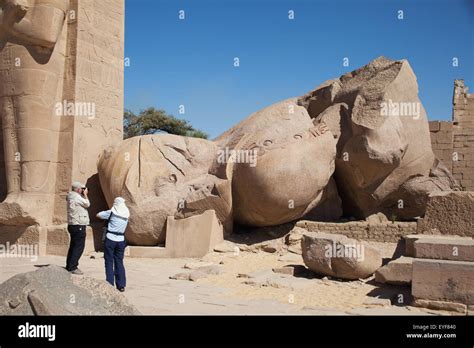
(117, 225)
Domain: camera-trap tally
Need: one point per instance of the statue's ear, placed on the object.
(20, 13)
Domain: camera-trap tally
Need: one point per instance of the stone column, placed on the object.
(60, 107)
(463, 135)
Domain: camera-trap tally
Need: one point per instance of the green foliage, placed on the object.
(151, 121)
(394, 218)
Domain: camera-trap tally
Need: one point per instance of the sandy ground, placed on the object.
(247, 285)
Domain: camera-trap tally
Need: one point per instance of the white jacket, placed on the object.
(77, 213)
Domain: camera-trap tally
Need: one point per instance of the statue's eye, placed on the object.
(298, 136)
(267, 143)
(253, 147)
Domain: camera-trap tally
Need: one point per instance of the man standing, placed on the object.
(78, 219)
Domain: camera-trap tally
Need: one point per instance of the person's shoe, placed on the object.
(77, 271)
(121, 289)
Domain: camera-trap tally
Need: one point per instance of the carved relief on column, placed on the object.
(32, 37)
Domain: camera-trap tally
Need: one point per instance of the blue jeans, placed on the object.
(114, 268)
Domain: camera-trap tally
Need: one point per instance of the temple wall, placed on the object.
(453, 142)
(94, 78)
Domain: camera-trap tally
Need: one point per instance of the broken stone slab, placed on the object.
(291, 257)
(441, 305)
(396, 272)
(198, 273)
(443, 280)
(47, 291)
(253, 283)
(210, 270)
(291, 270)
(412, 238)
(264, 273)
(288, 270)
(272, 247)
(294, 236)
(376, 219)
(191, 276)
(269, 278)
(279, 282)
(226, 247)
(295, 249)
(268, 246)
(377, 302)
(194, 265)
(180, 276)
(339, 256)
(445, 249)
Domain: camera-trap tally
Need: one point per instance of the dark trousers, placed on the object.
(76, 246)
(114, 268)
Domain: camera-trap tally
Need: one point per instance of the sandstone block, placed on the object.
(434, 126)
(441, 305)
(450, 213)
(194, 236)
(338, 256)
(377, 302)
(396, 272)
(445, 249)
(410, 240)
(441, 280)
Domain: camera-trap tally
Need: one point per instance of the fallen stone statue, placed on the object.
(355, 146)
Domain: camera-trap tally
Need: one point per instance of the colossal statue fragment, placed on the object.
(384, 161)
(368, 128)
(277, 171)
(161, 176)
(31, 69)
(357, 145)
(56, 53)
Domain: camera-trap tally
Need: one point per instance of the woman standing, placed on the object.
(115, 244)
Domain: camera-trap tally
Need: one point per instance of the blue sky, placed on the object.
(191, 62)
